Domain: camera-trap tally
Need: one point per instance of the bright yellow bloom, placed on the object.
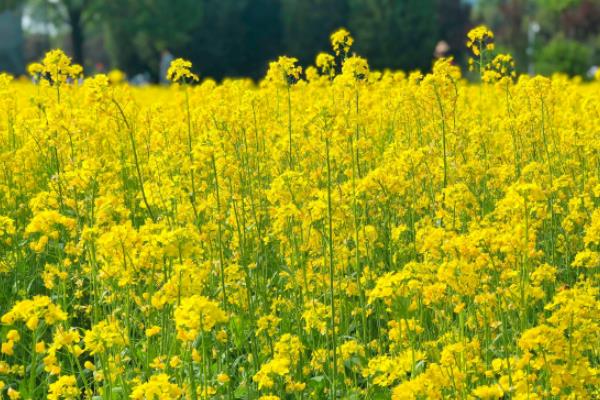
(480, 39)
(153, 331)
(65, 388)
(156, 388)
(180, 71)
(437, 238)
(104, 335)
(326, 64)
(341, 41)
(284, 71)
(56, 68)
(197, 314)
(486, 392)
(34, 310)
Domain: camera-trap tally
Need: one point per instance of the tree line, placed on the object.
(239, 37)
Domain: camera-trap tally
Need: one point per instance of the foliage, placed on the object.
(138, 30)
(563, 55)
(557, 5)
(395, 34)
(238, 37)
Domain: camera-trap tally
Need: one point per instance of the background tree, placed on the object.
(239, 37)
(569, 31)
(11, 43)
(216, 39)
(138, 30)
(74, 15)
(262, 38)
(453, 23)
(394, 34)
(307, 25)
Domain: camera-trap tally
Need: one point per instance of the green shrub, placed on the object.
(563, 55)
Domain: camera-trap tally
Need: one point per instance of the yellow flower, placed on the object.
(8, 348)
(89, 365)
(284, 71)
(13, 335)
(116, 76)
(268, 323)
(40, 347)
(438, 238)
(197, 314)
(326, 64)
(104, 335)
(56, 68)
(157, 387)
(13, 394)
(502, 66)
(180, 71)
(34, 310)
(355, 69)
(175, 362)
(287, 352)
(480, 38)
(490, 392)
(223, 378)
(64, 388)
(341, 41)
(158, 363)
(153, 331)
(315, 317)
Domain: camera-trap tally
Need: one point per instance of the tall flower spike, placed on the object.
(180, 71)
(502, 66)
(326, 64)
(284, 71)
(480, 39)
(356, 68)
(56, 67)
(341, 41)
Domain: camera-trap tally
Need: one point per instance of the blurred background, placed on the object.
(239, 37)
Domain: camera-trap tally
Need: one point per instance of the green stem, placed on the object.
(331, 270)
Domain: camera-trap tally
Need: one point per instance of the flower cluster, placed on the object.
(197, 314)
(180, 71)
(65, 388)
(33, 311)
(284, 71)
(55, 68)
(502, 66)
(341, 41)
(105, 335)
(326, 64)
(157, 387)
(355, 68)
(480, 39)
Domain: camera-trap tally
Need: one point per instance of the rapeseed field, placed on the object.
(328, 233)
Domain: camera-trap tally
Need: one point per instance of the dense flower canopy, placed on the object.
(339, 233)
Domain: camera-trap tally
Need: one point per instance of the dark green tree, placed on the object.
(563, 55)
(216, 41)
(73, 14)
(262, 41)
(453, 23)
(138, 30)
(234, 38)
(307, 25)
(394, 34)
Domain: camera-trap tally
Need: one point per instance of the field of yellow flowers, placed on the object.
(328, 233)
